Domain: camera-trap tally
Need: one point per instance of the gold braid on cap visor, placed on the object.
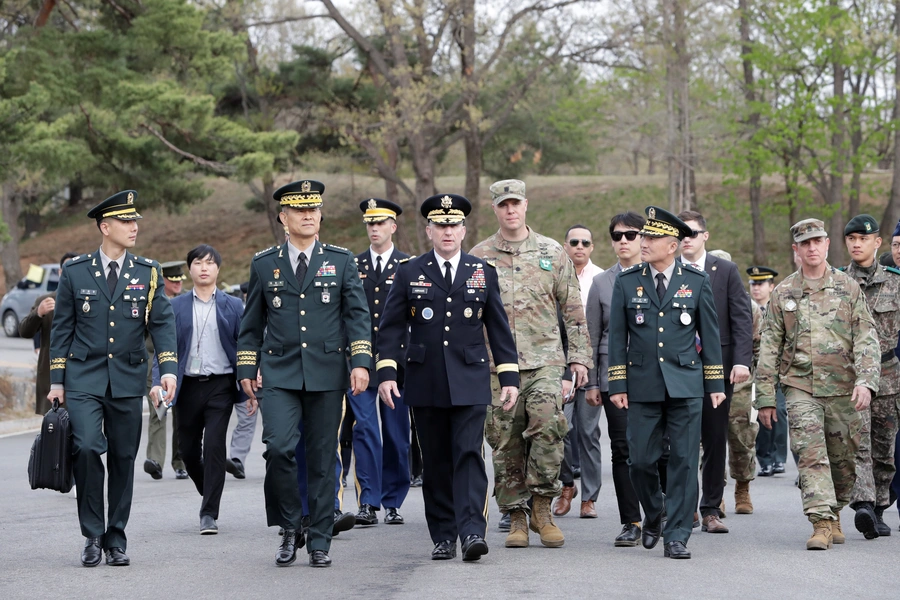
(660, 228)
(302, 200)
(441, 215)
(378, 214)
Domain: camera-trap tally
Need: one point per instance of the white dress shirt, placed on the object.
(454, 263)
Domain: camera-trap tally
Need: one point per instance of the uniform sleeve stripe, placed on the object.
(385, 364)
(508, 368)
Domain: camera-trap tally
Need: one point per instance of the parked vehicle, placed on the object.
(17, 302)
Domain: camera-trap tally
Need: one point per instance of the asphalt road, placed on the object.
(764, 556)
(17, 357)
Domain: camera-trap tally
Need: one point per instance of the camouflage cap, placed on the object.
(808, 229)
(863, 224)
(508, 188)
(724, 255)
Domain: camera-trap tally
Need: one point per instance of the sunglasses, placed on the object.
(696, 232)
(629, 235)
(574, 243)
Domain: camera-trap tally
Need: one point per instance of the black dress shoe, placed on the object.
(504, 523)
(342, 522)
(651, 532)
(152, 467)
(473, 547)
(766, 471)
(676, 550)
(393, 517)
(630, 535)
(291, 541)
(366, 515)
(444, 550)
(116, 557)
(181, 474)
(208, 525)
(778, 468)
(92, 553)
(416, 481)
(319, 558)
(235, 467)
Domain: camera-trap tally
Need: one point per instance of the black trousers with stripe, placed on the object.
(454, 481)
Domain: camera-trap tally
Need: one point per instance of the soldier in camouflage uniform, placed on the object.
(536, 276)
(875, 457)
(742, 430)
(819, 342)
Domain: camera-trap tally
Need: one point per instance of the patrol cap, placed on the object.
(761, 274)
(306, 193)
(118, 206)
(376, 210)
(662, 223)
(506, 189)
(173, 271)
(808, 229)
(446, 209)
(864, 224)
(724, 255)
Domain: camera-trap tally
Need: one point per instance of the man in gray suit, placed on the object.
(623, 229)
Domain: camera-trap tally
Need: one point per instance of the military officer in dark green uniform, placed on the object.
(306, 311)
(664, 355)
(107, 300)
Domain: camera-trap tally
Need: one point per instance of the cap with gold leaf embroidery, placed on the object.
(662, 223)
(306, 193)
(446, 209)
(118, 206)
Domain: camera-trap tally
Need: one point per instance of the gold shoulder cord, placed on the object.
(153, 277)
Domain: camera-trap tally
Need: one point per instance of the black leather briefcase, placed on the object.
(50, 464)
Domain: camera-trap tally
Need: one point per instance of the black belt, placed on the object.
(887, 356)
(208, 377)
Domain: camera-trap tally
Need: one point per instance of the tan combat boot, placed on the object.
(837, 534)
(518, 530)
(542, 523)
(821, 538)
(742, 503)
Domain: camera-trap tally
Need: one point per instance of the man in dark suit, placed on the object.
(660, 374)
(106, 301)
(207, 323)
(442, 303)
(305, 308)
(736, 340)
(381, 461)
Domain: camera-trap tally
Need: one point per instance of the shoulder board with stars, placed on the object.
(688, 267)
(80, 258)
(893, 270)
(631, 268)
(336, 248)
(266, 251)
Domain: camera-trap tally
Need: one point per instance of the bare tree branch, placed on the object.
(215, 166)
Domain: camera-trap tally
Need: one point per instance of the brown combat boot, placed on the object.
(837, 534)
(564, 502)
(542, 522)
(742, 503)
(821, 538)
(518, 530)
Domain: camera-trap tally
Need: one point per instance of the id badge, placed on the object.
(194, 367)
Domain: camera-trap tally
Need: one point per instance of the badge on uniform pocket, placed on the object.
(546, 264)
(427, 313)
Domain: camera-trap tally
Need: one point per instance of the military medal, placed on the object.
(480, 310)
(276, 274)
(276, 302)
(135, 313)
(639, 317)
(326, 297)
(640, 291)
(427, 313)
(96, 273)
(468, 313)
(685, 317)
(86, 307)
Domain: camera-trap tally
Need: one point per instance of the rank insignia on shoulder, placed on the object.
(335, 247)
(264, 251)
(148, 261)
(491, 262)
(631, 268)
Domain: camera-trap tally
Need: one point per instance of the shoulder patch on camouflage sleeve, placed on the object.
(893, 270)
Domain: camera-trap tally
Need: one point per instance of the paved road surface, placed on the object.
(17, 357)
(764, 556)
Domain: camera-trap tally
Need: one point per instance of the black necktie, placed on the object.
(448, 276)
(301, 269)
(378, 268)
(660, 286)
(112, 279)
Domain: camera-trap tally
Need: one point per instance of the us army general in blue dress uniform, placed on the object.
(446, 300)
(381, 458)
(107, 300)
(306, 310)
(659, 369)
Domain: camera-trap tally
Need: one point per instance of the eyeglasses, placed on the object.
(895, 246)
(574, 243)
(629, 235)
(696, 232)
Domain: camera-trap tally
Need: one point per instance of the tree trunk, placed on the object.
(473, 141)
(10, 206)
(759, 234)
(76, 193)
(892, 210)
(671, 126)
(272, 209)
(403, 239)
(836, 177)
(424, 163)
